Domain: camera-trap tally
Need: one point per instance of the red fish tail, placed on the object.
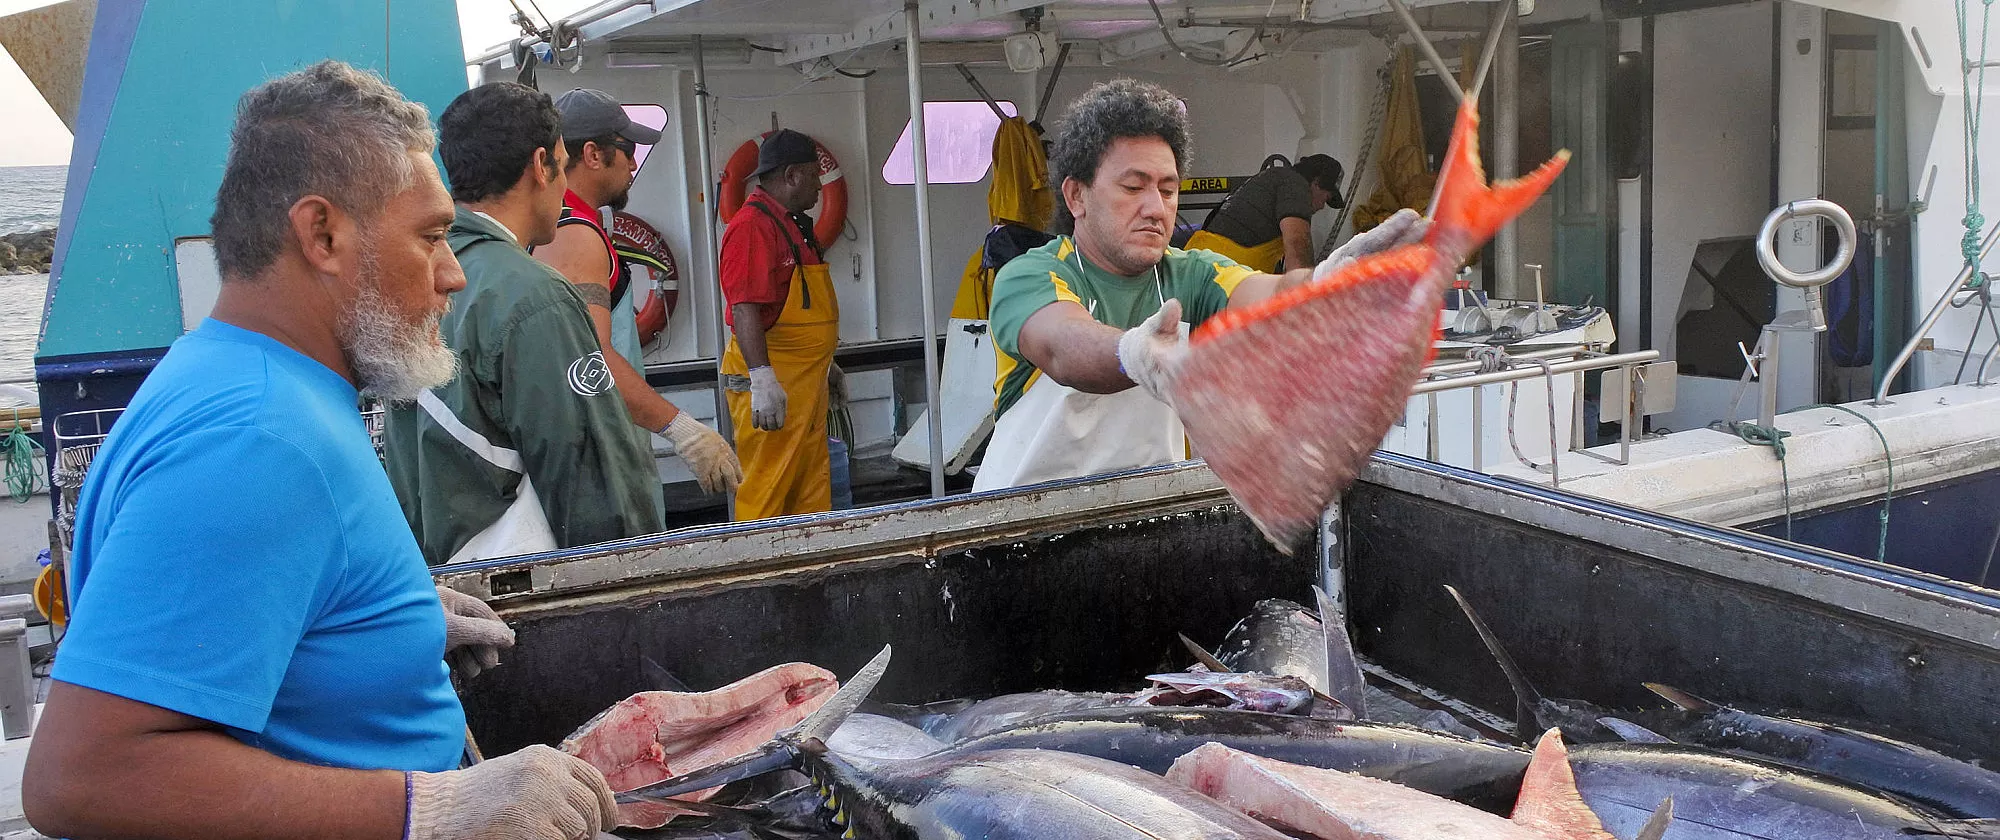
(1467, 211)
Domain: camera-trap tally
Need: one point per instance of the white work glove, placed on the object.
(1151, 353)
(1403, 228)
(707, 455)
(767, 399)
(539, 793)
(472, 626)
(836, 387)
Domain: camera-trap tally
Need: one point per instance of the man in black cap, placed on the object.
(786, 324)
(1270, 216)
(601, 140)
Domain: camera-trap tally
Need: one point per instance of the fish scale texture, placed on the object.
(1287, 399)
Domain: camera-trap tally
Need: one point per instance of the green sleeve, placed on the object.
(572, 429)
(1021, 288)
(1203, 280)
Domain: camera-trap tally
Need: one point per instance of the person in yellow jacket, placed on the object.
(1270, 217)
(785, 323)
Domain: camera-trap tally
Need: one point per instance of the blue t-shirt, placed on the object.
(240, 558)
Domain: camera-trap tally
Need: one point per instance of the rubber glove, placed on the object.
(836, 387)
(707, 455)
(472, 626)
(539, 793)
(1151, 353)
(1403, 228)
(767, 399)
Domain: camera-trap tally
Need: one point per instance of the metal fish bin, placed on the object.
(1083, 585)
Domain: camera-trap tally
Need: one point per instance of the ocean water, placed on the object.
(30, 199)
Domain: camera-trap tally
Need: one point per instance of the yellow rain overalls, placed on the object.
(1263, 257)
(1020, 195)
(788, 471)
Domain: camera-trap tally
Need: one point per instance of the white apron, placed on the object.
(1056, 432)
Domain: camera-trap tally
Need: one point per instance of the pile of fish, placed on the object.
(1283, 738)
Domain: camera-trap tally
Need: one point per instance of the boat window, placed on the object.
(960, 140)
(650, 116)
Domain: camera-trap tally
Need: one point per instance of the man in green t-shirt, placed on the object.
(1106, 306)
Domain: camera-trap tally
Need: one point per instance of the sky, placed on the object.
(32, 134)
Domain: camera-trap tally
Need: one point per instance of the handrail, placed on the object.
(1937, 311)
(1519, 373)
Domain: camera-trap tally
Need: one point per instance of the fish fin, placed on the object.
(1526, 698)
(1202, 655)
(658, 678)
(1982, 829)
(1344, 681)
(1656, 825)
(828, 717)
(1687, 702)
(1632, 733)
(1466, 212)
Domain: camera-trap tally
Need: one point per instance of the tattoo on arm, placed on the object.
(594, 294)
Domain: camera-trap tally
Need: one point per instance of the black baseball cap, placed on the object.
(589, 114)
(783, 148)
(1326, 172)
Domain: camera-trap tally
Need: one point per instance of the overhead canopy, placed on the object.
(50, 44)
(804, 31)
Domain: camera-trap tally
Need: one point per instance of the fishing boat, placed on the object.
(1558, 450)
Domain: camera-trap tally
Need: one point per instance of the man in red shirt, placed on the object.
(786, 324)
(601, 140)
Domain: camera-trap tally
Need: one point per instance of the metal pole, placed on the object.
(1502, 12)
(1332, 560)
(1930, 320)
(1430, 52)
(1507, 147)
(710, 253)
(925, 279)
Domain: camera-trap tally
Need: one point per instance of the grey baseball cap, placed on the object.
(590, 113)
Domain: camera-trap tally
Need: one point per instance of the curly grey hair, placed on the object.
(1105, 112)
(329, 130)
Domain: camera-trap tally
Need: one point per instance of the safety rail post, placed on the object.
(920, 155)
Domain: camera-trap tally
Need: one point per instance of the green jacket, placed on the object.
(532, 396)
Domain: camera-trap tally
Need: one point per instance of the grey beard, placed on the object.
(393, 359)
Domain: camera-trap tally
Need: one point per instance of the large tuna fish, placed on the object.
(1477, 773)
(1857, 756)
(1865, 758)
(1287, 399)
(1330, 804)
(1724, 797)
(994, 794)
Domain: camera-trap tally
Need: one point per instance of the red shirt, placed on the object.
(580, 212)
(757, 257)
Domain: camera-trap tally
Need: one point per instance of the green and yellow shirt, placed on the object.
(1201, 280)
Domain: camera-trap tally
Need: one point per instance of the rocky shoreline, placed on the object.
(27, 253)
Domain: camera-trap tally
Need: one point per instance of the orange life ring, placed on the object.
(642, 248)
(735, 188)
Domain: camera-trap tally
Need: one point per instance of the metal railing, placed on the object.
(1477, 374)
(1930, 320)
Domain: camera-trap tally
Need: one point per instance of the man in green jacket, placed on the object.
(528, 448)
